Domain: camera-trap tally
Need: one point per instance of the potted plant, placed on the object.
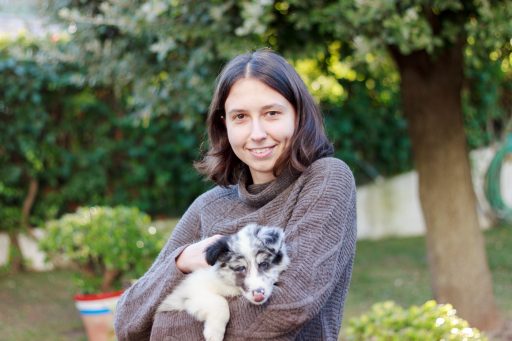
(109, 247)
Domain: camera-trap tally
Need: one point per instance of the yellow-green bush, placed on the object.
(386, 321)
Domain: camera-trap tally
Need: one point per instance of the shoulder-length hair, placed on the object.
(309, 141)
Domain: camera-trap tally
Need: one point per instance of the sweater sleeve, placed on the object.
(136, 307)
(320, 236)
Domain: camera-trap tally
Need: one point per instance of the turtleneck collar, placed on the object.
(257, 195)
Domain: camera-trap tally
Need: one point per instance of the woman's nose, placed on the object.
(258, 131)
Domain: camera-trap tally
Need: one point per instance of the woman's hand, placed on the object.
(193, 257)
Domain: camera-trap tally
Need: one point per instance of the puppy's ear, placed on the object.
(217, 250)
(271, 237)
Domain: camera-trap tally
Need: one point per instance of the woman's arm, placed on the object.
(137, 306)
(321, 238)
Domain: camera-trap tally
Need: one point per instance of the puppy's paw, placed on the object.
(213, 333)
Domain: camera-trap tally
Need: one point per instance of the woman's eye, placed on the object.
(238, 117)
(273, 113)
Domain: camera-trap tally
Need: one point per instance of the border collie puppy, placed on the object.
(248, 263)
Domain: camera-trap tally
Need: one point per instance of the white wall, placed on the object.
(35, 258)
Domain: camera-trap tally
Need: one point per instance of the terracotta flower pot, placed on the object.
(97, 312)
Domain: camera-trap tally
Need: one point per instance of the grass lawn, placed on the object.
(39, 306)
(397, 269)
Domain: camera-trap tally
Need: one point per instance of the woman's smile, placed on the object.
(262, 153)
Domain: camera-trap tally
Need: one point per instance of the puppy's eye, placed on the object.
(239, 269)
(264, 266)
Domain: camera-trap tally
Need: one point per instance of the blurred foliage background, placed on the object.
(111, 110)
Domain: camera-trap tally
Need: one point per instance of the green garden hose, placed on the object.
(493, 182)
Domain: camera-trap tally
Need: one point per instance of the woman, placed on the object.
(272, 163)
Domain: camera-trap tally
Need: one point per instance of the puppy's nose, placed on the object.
(258, 294)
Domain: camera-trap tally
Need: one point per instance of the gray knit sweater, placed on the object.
(318, 214)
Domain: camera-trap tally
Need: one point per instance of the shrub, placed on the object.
(109, 246)
(387, 321)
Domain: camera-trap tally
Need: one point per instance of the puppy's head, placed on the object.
(251, 259)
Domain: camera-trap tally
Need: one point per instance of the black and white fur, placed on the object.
(248, 263)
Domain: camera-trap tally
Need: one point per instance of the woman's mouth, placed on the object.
(261, 153)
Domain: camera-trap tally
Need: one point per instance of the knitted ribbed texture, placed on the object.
(317, 212)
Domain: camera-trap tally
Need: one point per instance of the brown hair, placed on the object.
(308, 143)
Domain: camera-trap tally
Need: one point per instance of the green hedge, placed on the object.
(80, 145)
(84, 145)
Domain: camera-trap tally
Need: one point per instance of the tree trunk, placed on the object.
(431, 94)
(33, 188)
(15, 255)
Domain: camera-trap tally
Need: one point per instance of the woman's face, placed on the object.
(260, 123)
